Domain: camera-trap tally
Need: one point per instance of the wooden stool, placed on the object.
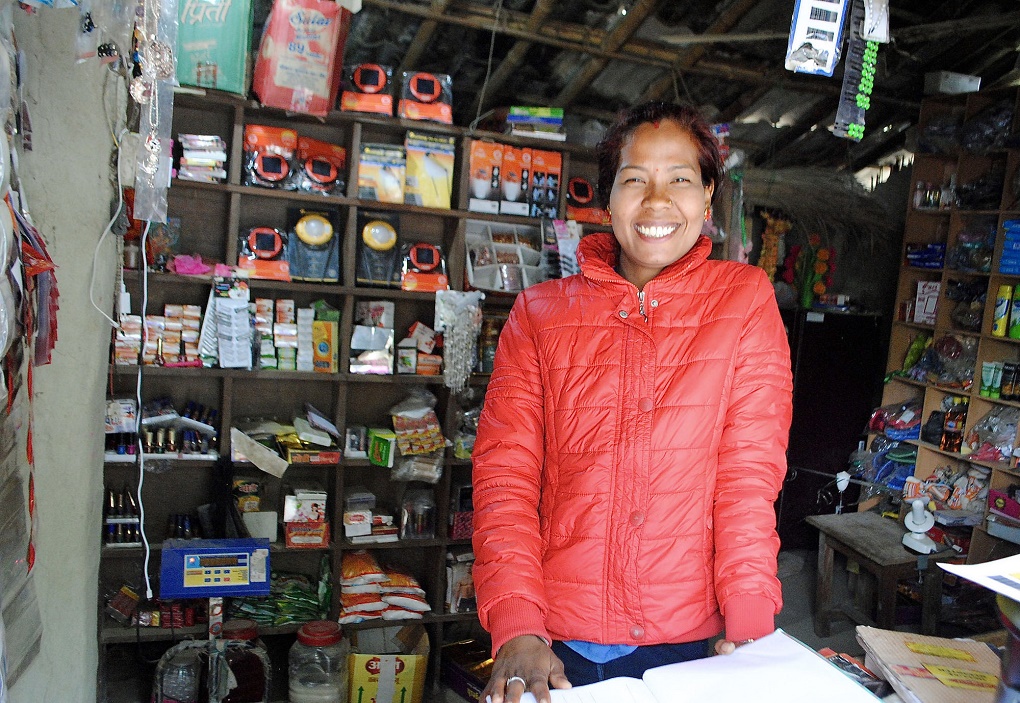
(874, 542)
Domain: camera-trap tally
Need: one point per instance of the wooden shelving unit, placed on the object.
(945, 225)
(212, 216)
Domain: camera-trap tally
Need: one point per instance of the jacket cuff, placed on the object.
(749, 617)
(513, 617)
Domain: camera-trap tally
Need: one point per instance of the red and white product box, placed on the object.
(300, 59)
(306, 535)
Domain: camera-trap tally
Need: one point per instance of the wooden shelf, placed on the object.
(112, 634)
(211, 216)
(193, 460)
(946, 226)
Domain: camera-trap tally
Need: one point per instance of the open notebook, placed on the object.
(774, 669)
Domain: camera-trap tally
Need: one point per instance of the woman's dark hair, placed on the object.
(608, 150)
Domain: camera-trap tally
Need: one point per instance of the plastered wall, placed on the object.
(66, 181)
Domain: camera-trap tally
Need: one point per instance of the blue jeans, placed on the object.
(581, 671)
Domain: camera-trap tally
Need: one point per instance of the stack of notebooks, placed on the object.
(203, 158)
(539, 122)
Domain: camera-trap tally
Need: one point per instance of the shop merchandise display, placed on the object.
(321, 166)
(293, 598)
(201, 157)
(537, 122)
(382, 171)
(952, 358)
(313, 245)
(367, 88)
(248, 358)
(269, 155)
(426, 96)
(429, 169)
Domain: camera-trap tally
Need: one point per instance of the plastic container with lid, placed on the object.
(318, 664)
(247, 659)
(181, 676)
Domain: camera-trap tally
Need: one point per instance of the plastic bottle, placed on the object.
(952, 432)
(1000, 319)
(859, 460)
(318, 664)
(1014, 315)
(182, 677)
(919, 195)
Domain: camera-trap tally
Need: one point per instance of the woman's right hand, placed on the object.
(529, 658)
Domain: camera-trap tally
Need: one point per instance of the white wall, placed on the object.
(66, 180)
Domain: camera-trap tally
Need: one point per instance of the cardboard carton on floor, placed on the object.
(388, 664)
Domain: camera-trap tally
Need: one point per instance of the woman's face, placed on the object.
(658, 203)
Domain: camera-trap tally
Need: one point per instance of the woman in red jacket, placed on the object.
(633, 437)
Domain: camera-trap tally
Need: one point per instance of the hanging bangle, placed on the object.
(741, 643)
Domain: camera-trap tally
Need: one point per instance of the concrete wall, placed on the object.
(66, 180)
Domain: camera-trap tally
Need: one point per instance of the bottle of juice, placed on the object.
(952, 429)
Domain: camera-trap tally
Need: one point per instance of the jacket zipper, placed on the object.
(641, 304)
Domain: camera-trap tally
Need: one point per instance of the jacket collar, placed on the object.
(598, 254)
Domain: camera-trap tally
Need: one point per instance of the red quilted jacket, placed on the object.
(626, 464)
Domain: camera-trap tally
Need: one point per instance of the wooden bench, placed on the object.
(874, 543)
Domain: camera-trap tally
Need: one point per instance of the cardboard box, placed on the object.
(1003, 528)
(388, 665)
(429, 365)
(323, 455)
(949, 83)
(325, 349)
(484, 164)
(213, 44)
(382, 446)
(1002, 504)
(513, 181)
(357, 522)
(926, 301)
(428, 181)
(407, 359)
(261, 524)
(307, 508)
(546, 174)
(306, 535)
(381, 173)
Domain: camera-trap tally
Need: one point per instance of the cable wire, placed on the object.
(138, 428)
(488, 68)
(118, 144)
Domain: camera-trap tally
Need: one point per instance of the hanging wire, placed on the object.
(488, 68)
(677, 76)
(140, 449)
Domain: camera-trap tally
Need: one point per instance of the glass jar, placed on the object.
(246, 663)
(318, 664)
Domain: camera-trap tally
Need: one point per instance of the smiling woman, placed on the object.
(658, 200)
(633, 437)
